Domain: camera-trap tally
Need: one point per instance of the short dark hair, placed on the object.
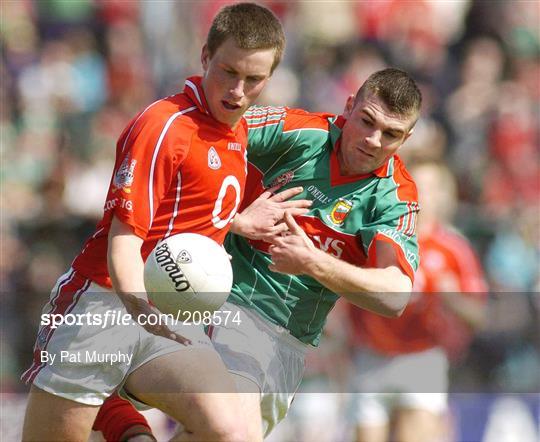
(252, 27)
(396, 88)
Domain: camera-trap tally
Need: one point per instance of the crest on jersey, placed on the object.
(340, 211)
(214, 162)
(123, 178)
(283, 179)
(183, 257)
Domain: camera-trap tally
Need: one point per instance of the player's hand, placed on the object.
(293, 251)
(140, 310)
(263, 218)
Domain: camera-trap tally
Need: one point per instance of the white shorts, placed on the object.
(265, 353)
(92, 352)
(416, 380)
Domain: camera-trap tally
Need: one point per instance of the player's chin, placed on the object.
(232, 118)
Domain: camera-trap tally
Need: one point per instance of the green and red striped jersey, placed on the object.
(349, 214)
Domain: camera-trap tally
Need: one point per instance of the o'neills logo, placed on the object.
(166, 262)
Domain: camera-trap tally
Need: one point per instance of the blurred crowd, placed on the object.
(75, 72)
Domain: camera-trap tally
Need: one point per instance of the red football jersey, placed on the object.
(447, 264)
(177, 170)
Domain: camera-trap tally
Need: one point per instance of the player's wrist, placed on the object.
(238, 226)
(316, 264)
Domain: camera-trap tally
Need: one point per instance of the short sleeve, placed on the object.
(396, 226)
(149, 153)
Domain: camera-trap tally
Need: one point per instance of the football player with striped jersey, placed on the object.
(180, 167)
(357, 241)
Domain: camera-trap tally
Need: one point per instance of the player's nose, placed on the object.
(237, 89)
(373, 139)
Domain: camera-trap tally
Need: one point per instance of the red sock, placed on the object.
(118, 420)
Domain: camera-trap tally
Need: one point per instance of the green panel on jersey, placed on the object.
(343, 221)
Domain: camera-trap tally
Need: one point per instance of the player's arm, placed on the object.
(384, 290)
(263, 218)
(126, 268)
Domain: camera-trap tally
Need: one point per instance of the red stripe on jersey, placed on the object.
(210, 331)
(265, 123)
(68, 292)
(401, 222)
(409, 217)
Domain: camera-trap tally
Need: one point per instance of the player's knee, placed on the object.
(218, 423)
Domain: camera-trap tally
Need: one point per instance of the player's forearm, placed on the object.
(384, 291)
(124, 260)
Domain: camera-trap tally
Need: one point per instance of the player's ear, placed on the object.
(205, 57)
(349, 106)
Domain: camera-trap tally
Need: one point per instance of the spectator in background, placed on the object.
(402, 364)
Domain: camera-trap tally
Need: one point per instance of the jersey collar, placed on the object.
(335, 175)
(194, 90)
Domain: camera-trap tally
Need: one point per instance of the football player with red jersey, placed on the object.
(180, 167)
(410, 354)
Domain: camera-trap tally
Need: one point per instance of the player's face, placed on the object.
(371, 135)
(234, 78)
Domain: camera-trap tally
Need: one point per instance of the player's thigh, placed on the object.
(371, 433)
(371, 415)
(190, 385)
(49, 417)
(416, 425)
(250, 403)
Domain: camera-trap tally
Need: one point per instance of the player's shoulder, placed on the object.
(262, 116)
(402, 180)
(292, 118)
(174, 108)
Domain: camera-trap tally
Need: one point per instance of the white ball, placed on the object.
(188, 272)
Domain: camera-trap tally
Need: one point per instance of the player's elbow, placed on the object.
(398, 294)
(388, 304)
(394, 304)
